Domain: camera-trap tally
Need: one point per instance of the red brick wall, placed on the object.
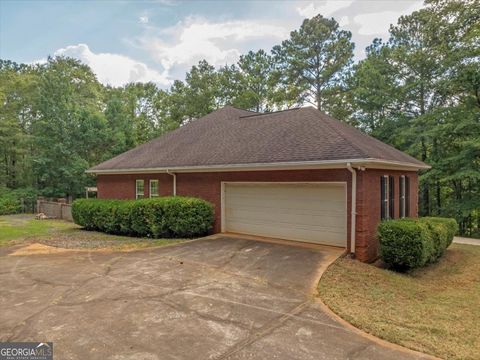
(368, 207)
(208, 187)
(123, 186)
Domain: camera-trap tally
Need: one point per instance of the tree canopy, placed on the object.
(419, 91)
(313, 62)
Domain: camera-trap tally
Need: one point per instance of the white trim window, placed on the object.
(154, 189)
(139, 189)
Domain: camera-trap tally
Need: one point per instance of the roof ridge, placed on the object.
(237, 108)
(339, 132)
(270, 113)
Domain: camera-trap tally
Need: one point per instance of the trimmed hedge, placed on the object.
(411, 243)
(164, 217)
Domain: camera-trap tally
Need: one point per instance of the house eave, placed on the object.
(298, 165)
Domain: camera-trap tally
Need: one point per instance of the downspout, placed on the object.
(174, 182)
(354, 207)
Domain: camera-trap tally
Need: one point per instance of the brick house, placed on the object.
(296, 174)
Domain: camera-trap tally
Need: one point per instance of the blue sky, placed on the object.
(159, 40)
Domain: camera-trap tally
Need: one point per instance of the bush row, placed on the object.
(411, 243)
(165, 217)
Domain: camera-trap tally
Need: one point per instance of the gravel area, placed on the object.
(464, 240)
(69, 243)
(81, 239)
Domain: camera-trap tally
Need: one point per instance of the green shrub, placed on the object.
(167, 217)
(411, 243)
(17, 201)
(450, 223)
(10, 205)
(404, 244)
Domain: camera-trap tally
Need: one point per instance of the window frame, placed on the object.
(384, 197)
(407, 196)
(402, 197)
(139, 195)
(150, 193)
(391, 195)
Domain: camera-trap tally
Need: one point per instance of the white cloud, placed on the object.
(217, 42)
(344, 21)
(113, 69)
(325, 8)
(143, 19)
(378, 23)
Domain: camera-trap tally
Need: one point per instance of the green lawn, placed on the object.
(14, 228)
(435, 310)
(24, 229)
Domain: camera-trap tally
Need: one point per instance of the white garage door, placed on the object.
(302, 211)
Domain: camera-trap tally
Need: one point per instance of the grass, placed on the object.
(435, 310)
(12, 228)
(18, 229)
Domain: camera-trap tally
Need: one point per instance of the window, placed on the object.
(153, 188)
(139, 189)
(406, 206)
(387, 199)
(391, 200)
(402, 197)
(384, 197)
(407, 196)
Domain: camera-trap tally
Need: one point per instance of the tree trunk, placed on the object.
(425, 188)
(458, 188)
(439, 200)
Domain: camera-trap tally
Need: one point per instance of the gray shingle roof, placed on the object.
(231, 136)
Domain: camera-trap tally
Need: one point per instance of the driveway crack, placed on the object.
(263, 331)
(17, 329)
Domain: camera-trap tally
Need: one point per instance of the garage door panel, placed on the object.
(281, 199)
(312, 212)
(278, 193)
(289, 226)
(328, 236)
(285, 216)
(289, 211)
(310, 204)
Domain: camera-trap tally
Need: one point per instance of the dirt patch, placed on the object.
(38, 249)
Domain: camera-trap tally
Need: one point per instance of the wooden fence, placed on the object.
(55, 209)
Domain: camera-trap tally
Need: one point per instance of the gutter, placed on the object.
(353, 206)
(291, 165)
(174, 181)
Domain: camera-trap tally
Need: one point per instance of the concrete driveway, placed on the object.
(209, 299)
(464, 240)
